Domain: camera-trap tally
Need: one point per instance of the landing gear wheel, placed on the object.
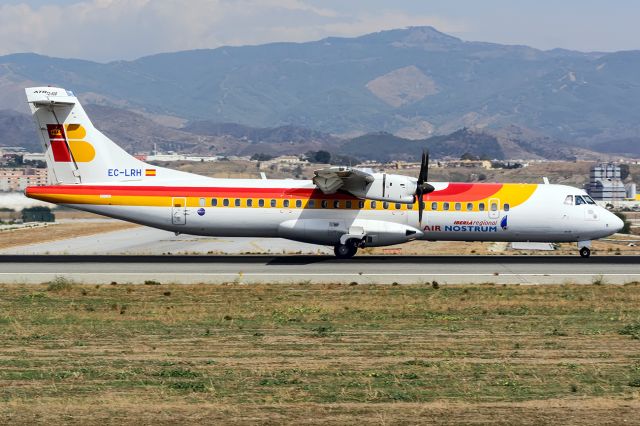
(585, 252)
(345, 251)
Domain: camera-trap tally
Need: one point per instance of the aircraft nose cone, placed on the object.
(617, 224)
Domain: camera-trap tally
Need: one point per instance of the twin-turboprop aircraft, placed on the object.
(343, 207)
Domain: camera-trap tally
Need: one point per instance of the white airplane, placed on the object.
(343, 207)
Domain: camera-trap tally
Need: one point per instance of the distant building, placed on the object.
(30, 157)
(176, 157)
(17, 179)
(283, 163)
(484, 164)
(605, 183)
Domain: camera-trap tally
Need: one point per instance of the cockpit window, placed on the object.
(580, 200)
(588, 199)
(569, 200)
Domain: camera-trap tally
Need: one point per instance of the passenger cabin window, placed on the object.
(285, 203)
(225, 202)
(273, 202)
(458, 207)
(261, 203)
(445, 206)
(398, 206)
(506, 207)
(349, 204)
(203, 202)
(469, 206)
(434, 206)
(214, 202)
(494, 207)
(298, 203)
(580, 200)
(481, 207)
(385, 205)
(569, 200)
(249, 202)
(336, 204)
(373, 204)
(311, 204)
(324, 204)
(238, 202)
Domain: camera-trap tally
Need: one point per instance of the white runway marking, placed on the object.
(317, 277)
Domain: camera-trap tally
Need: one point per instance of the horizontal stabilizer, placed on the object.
(39, 96)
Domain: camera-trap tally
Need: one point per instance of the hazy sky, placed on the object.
(105, 30)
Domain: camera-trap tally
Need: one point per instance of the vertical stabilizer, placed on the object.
(75, 150)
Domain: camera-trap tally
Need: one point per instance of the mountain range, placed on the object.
(415, 83)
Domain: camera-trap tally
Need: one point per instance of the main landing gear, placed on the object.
(585, 252)
(346, 250)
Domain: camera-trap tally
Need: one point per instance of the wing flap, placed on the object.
(331, 179)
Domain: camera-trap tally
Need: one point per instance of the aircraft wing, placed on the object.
(331, 179)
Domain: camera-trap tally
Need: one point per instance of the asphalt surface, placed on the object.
(248, 269)
(150, 241)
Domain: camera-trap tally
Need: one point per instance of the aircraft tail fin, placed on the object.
(77, 152)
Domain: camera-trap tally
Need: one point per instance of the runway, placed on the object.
(184, 269)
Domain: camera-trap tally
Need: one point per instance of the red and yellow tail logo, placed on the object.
(69, 137)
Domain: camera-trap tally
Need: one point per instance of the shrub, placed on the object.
(632, 330)
(322, 331)
(626, 229)
(60, 284)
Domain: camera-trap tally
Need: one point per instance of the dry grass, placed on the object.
(234, 354)
(57, 231)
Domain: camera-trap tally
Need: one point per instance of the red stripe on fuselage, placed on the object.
(465, 192)
(186, 191)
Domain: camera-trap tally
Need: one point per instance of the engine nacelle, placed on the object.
(327, 231)
(386, 187)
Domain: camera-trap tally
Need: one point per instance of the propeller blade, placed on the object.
(422, 187)
(424, 168)
(420, 208)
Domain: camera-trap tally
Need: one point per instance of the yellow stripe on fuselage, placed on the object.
(513, 194)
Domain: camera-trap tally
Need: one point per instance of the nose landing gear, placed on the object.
(585, 248)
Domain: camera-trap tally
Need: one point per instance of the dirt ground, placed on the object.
(57, 231)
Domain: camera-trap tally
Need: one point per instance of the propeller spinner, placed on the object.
(422, 187)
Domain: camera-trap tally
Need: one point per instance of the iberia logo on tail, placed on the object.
(70, 137)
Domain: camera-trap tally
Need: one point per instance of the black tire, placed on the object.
(585, 252)
(345, 251)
